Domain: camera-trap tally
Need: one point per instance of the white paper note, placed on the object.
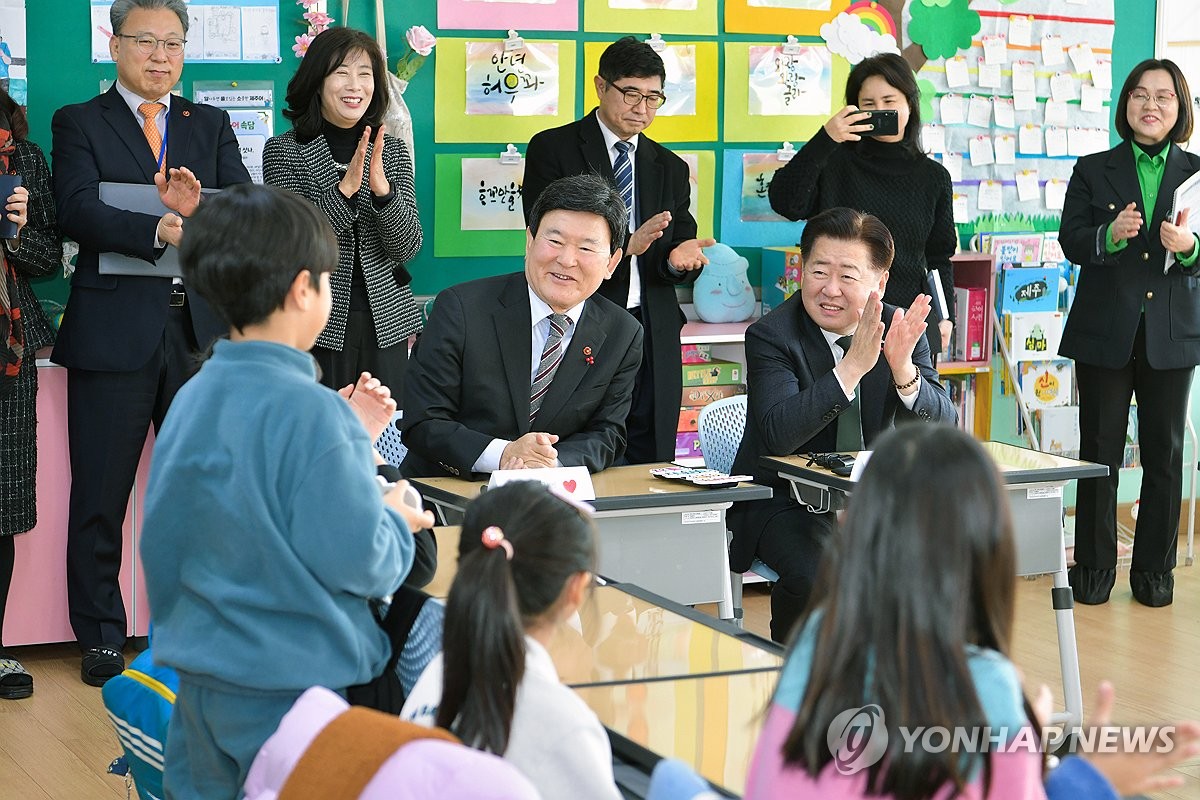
(1063, 87)
(982, 152)
(1027, 185)
(1029, 140)
(934, 138)
(1023, 77)
(1056, 193)
(1056, 141)
(1056, 112)
(953, 162)
(1005, 110)
(1024, 101)
(1052, 50)
(1006, 149)
(1081, 57)
(953, 110)
(1091, 98)
(1020, 30)
(957, 75)
(979, 112)
(995, 49)
(1077, 141)
(989, 75)
(959, 204)
(990, 197)
(1102, 74)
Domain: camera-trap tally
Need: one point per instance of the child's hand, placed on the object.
(416, 519)
(372, 403)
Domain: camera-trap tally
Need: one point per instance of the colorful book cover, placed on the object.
(714, 372)
(1035, 335)
(1047, 384)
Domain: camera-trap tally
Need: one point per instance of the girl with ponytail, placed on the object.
(525, 562)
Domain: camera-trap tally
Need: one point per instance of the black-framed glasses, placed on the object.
(147, 44)
(1161, 99)
(633, 97)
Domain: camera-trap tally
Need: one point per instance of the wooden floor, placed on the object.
(57, 744)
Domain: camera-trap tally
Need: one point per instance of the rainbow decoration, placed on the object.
(870, 14)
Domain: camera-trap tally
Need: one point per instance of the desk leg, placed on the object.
(1068, 653)
(725, 608)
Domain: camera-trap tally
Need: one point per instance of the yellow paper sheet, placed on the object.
(598, 16)
(741, 127)
(453, 124)
(741, 17)
(702, 127)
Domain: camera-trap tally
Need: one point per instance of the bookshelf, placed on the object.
(970, 381)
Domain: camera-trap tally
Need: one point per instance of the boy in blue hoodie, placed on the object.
(266, 534)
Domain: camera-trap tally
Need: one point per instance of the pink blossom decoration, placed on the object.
(420, 39)
(301, 45)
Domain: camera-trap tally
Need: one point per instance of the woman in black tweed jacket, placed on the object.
(37, 250)
(337, 157)
(887, 176)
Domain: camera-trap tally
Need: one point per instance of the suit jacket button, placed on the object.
(1149, 295)
(1112, 207)
(1145, 256)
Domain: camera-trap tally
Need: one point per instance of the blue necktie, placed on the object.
(623, 169)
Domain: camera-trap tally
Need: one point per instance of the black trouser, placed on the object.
(360, 353)
(108, 417)
(1104, 395)
(639, 425)
(792, 543)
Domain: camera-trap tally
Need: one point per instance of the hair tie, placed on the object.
(493, 537)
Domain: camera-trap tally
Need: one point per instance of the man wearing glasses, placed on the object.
(662, 251)
(128, 341)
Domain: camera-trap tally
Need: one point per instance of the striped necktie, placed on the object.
(623, 170)
(149, 112)
(551, 358)
(849, 422)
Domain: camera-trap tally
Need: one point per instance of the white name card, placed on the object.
(572, 482)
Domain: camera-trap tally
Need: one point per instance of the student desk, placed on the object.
(1034, 483)
(666, 536)
(623, 633)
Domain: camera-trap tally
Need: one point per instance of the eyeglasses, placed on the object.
(147, 44)
(633, 97)
(1161, 99)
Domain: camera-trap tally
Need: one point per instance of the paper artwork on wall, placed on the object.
(701, 184)
(519, 83)
(743, 126)
(524, 15)
(13, 51)
(664, 16)
(523, 95)
(757, 171)
(789, 81)
(801, 5)
(218, 30)
(491, 195)
(781, 17)
(737, 232)
(680, 88)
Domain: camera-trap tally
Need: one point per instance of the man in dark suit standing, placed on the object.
(533, 369)
(818, 383)
(128, 342)
(662, 251)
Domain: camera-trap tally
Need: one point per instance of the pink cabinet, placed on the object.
(37, 602)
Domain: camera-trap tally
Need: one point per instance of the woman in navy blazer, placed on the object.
(1134, 328)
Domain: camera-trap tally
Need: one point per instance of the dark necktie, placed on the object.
(623, 170)
(849, 422)
(548, 365)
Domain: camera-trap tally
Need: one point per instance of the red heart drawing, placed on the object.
(569, 486)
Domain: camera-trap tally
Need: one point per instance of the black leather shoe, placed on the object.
(1091, 586)
(100, 664)
(15, 682)
(1154, 589)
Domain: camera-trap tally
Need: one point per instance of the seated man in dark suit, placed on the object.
(823, 378)
(533, 369)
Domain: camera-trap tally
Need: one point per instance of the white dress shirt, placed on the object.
(489, 459)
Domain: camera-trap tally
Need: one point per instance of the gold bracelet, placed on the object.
(908, 385)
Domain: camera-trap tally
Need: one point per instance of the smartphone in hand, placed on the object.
(883, 122)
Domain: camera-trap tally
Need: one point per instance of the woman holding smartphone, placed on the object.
(1134, 328)
(887, 175)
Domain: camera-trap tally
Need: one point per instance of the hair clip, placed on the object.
(493, 537)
